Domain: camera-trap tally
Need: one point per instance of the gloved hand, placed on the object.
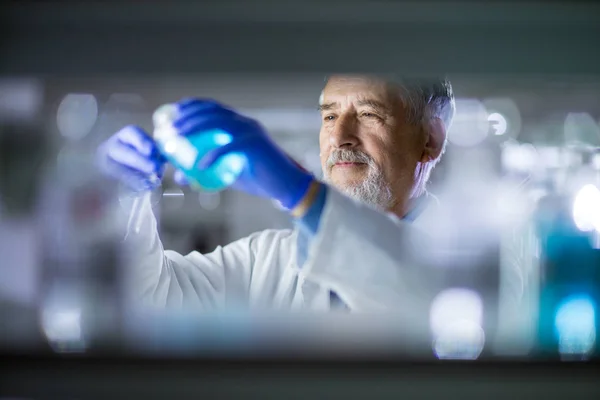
(268, 171)
(131, 156)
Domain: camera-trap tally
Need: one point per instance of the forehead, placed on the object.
(352, 88)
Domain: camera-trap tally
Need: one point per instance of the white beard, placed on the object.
(373, 191)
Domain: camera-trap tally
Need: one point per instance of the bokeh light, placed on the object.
(61, 318)
(76, 115)
(455, 319)
(503, 116)
(20, 98)
(550, 156)
(519, 157)
(595, 162)
(462, 340)
(586, 208)
(575, 325)
(498, 123)
(470, 126)
(63, 326)
(581, 128)
(209, 201)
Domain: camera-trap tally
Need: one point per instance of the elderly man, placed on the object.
(379, 141)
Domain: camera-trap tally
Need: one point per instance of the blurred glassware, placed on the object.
(81, 225)
(504, 117)
(581, 129)
(76, 115)
(456, 319)
(470, 126)
(575, 325)
(209, 201)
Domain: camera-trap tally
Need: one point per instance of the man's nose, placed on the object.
(344, 133)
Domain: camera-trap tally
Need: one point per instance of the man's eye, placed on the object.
(369, 115)
(329, 117)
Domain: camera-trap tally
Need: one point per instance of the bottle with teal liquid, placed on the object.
(184, 152)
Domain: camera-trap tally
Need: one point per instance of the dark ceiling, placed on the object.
(425, 37)
(542, 54)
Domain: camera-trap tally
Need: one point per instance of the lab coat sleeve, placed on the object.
(367, 257)
(169, 279)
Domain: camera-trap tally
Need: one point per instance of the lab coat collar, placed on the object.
(418, 206)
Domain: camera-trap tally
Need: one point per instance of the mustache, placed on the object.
(345, 155)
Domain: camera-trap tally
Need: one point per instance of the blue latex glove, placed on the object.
(268, 171)
(131, 156)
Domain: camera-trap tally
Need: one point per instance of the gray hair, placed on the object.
(424, 98)
(427, 98)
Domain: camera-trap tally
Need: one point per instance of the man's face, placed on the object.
(368, 148)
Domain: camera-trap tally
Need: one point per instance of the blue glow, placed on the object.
(222, 138)
(223, 172)
(575, 325)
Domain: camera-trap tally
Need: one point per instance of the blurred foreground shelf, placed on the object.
(100, 377)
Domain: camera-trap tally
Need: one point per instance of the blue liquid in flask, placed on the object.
(186, 152)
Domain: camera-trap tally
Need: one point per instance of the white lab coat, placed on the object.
(357, 252)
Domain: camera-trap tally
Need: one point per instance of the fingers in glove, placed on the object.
(212, 156)
(196, 103)
(131, 158)
(198, 121)
(133, 179)
(137, 139)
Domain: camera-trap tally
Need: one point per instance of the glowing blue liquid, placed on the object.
(575, 325)
(222, 173)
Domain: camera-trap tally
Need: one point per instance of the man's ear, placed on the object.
(435, 133)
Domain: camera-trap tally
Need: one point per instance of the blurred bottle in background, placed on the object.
(81, 274)
(570, 258)
(24, 148)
